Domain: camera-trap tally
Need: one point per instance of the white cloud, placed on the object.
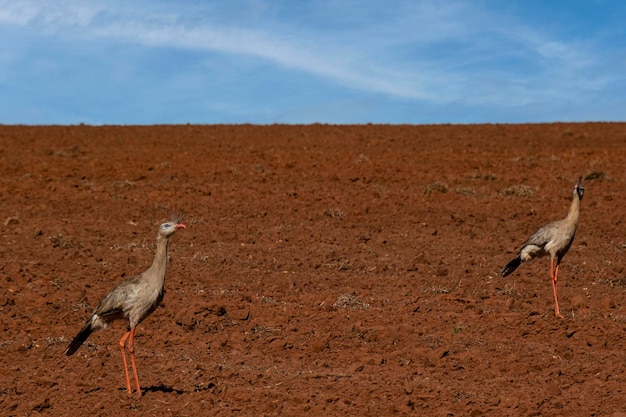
(346, 57)
(427, 51)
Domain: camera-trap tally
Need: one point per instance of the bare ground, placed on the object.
(324, 270)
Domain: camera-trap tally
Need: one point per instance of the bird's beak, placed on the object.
(179, 226)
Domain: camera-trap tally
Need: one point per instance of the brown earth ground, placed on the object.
(325, 270)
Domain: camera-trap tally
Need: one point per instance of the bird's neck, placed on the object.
(159, 265)
(574, 209)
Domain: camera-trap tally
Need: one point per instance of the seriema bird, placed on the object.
(133, 300)
(553, 239)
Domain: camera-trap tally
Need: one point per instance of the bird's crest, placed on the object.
(177, 217)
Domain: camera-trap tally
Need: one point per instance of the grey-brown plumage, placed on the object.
(553, 239)
(133, 299)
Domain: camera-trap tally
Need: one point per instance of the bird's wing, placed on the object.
(536, 245)
(111, 313)
(542, 236)
(116, 301)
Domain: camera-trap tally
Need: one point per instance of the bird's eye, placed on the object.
(166, 226)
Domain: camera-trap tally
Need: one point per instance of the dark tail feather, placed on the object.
(511, 266)
(79, 339)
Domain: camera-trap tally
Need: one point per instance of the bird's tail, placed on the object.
(511, 266)
(79, 339)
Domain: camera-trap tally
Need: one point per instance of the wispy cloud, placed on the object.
(432, 52)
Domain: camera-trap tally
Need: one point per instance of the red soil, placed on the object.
(324, 270)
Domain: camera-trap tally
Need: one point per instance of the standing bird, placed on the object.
(133, 299)
(553, 239)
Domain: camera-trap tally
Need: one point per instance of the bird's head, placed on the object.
(578, 188)
(167, 229)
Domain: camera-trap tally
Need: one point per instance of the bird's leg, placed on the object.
(554, 275)
(131, 350)
(122, 346)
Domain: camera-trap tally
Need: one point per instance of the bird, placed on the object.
(554, 239)
(133, 300)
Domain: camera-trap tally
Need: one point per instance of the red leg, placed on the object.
(122, 345)
(131, 350)
(554, 275)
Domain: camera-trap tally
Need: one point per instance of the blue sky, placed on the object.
(327, 61)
